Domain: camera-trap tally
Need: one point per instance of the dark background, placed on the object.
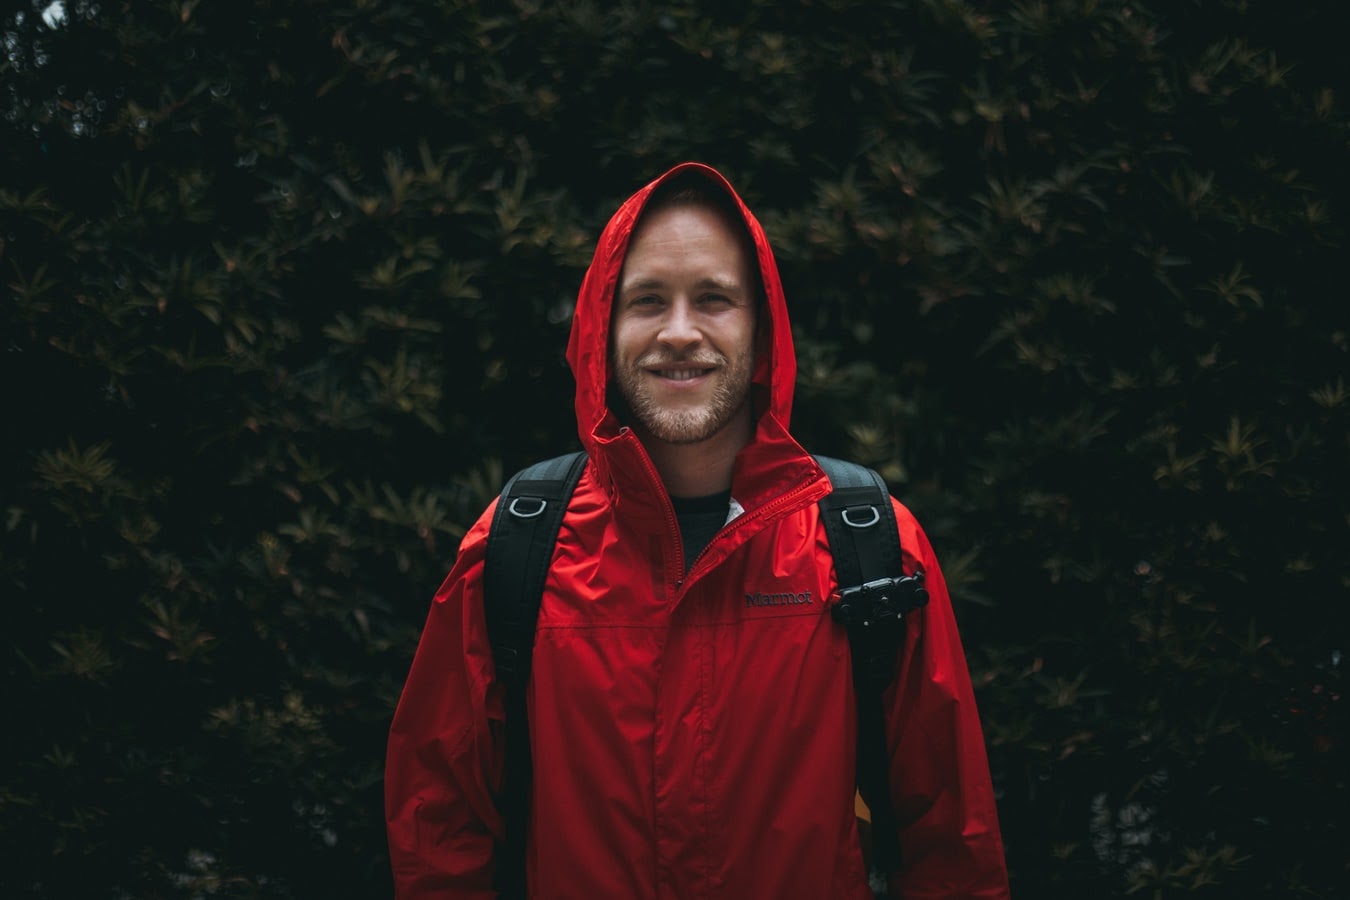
(285, 292)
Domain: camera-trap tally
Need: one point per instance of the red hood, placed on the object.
(588, 347)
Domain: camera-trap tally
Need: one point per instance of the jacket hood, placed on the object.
(588, 347)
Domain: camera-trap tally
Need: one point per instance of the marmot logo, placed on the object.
(762, 599)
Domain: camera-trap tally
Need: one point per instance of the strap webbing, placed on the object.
(519, 549)
(860, 524)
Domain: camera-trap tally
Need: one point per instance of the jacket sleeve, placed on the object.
(443, 763)
(950, 845)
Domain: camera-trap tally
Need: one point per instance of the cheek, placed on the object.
(618, 335)
(752, 340)
(625, 341)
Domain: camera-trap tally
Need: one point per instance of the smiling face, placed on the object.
(683, 330)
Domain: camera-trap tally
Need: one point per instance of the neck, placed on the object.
(703, 468)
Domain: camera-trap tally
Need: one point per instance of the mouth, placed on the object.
(680, 374)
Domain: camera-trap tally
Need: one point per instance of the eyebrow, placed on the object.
(718, 284)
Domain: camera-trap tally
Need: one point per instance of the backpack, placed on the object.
(875, 594)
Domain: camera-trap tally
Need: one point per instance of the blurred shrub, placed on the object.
(286, 290)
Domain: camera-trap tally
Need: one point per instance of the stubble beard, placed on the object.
(685, 426)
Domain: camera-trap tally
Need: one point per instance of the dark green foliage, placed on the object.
(286, 287)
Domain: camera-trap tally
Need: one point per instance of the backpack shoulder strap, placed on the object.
(874, 595)
(520, 546)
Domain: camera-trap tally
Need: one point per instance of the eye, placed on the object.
(645, 300)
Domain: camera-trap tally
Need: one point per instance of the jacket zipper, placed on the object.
(672, 523)
(764, 511)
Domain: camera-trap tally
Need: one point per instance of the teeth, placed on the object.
(681, 374)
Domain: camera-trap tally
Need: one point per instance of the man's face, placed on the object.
(683, 332)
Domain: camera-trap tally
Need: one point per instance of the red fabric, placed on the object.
(688, 742)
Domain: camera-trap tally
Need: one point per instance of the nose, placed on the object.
(680, 330)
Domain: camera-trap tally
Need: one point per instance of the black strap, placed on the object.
(519, 549)
(875, 594)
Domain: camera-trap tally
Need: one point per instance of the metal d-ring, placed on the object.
(876, 517)
(529, 513)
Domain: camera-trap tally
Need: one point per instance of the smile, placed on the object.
(680, 374)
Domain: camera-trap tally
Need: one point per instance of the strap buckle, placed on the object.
(880, 602)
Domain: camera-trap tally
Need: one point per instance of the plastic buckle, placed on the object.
(883, 601)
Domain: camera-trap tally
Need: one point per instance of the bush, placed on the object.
(287, 290)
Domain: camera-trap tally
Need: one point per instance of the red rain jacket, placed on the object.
(689, 740)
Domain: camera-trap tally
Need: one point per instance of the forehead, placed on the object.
(673, 239)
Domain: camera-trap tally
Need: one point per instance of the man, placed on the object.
(688, 739)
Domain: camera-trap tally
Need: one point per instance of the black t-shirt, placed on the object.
(700, 519)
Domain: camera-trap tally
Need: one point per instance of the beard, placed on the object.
(691, 424)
